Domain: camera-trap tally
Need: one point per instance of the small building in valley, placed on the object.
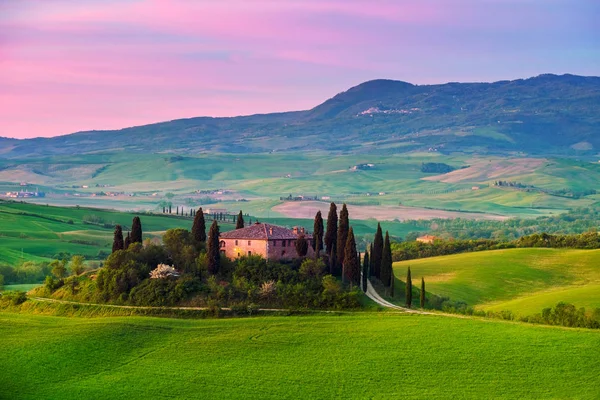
(427, 239)
(272, 242)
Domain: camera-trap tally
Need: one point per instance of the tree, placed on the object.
(422, 299)
(213, 251)
(1, 281)
(351, 260)
(118, 239)
(199, 228)
(386, 261)
(59, 270)
(317, 242)
(377, 253)
(127, 241)
(332, 261)
(408, 289)
(170, 209)
(76, 265)
(365, 271)
(301, 246)
(342, 234)
(392, 286)
(332, 222)
(239, 224)
(136, 230)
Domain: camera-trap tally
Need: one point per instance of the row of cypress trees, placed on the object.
(135, 236)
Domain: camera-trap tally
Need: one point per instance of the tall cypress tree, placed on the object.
(342, 234)
(332, 261)
(318, 231)
(377, 253)
(365, 271)
(386, 261)
(213, 251)
(117, 239)
(301, 246)
(127, 241)
(239, 224)
(351, 260)
(408, 289)
(332, 233)
(170, 209)
(422, 299)
(199, 227)
(136, 230)
(392, 282)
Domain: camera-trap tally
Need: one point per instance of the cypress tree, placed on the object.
(301, 246)
(342, 234)
(332, 261)
(422, 299)
(199, 227)
(136, 230)
(365, 271)
(117, 239)
(163, 209)
(351, 260)
(127, 241)
(177, 211)
(408, 289)
(332, 222)
(240, 221)
(170, 210)
(386, 261)
(317, 242)
(377, 253)
(213, 251)
(392, 286)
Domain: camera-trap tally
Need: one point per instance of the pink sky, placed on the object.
(72, 65)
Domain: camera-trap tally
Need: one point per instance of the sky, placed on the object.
(74, 65)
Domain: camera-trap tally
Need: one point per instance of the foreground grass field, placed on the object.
(353, 356)
(520, 280)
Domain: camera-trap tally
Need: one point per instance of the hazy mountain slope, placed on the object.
(547, 114)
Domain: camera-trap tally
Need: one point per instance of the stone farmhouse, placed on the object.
(272, 242)
(427, 239)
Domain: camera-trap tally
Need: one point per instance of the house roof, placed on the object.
(260, 231)
(427, 237)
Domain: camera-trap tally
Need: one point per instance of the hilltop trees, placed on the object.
(127, 241)
(317, 242)
(301, 246)
(376, 253)
(213, 251)
(332, 232)
(199, 228)
(386, 261)
(342, 235)
(332, 261)
(365, 271)
(136, 230)
(118, 239)
(408, 289)
(422, 294)
(76, 265)
(351, 260)
(239, 223)
(59, 269)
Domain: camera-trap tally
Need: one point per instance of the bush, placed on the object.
(16, 298)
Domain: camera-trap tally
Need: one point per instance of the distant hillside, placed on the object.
(548, 114)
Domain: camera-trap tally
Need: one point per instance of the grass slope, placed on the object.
(521, 280)
(353, 356)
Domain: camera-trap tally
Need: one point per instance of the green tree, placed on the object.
(332, 261)
(127, 241)
(332, 233)
(136, 230)
(213, 251)
(422, 299)
(318, 231)
(365, 271)
(118, 239)
(386, 261)
(199, 228)
(408, 289)
(351, 260)
(59, 270)
(392, 282)
(239, 223)
(1, 281)
(301, 246)
(342, 235)
(377, 253)
(77, 265)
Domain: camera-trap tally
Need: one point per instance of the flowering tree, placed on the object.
(164, 271)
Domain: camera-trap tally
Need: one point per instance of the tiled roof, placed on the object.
(265, 232)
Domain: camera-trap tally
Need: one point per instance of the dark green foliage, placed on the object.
(422, 294)
(392, 283)
(118, 239)
(301, 246)
(127, 241)
(377, 253)
(136, 230)
(332, 228)
(386, 261)
(318, 232)
(565, 314)
(436, 168)
(342, 234)
(365, 271)
(199, 228)
(351, 260)
(182, 249)
(408, 289)
(333, 268)
(239, 223)
(165, 292)
(213, 250)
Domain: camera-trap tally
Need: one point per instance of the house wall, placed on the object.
(276, 250)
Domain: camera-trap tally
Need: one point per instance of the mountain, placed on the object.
(545, 115)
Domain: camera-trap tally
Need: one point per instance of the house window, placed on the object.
(283, 243)
(222, 244)
(239, 254)
(236, 242)
(283, 253)
(249, 242)
(249, 253)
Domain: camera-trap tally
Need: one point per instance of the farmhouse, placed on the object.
(272, 242)
(427, 239)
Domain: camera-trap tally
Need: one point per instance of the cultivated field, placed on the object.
(357, 355)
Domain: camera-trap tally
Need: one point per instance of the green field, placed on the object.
(353, 356)
(520, 280)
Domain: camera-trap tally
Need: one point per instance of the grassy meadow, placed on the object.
(357, 355)
(523, 281)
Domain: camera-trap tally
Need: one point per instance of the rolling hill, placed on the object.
(381, 116)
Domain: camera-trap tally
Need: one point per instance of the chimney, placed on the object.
(295, 230)
(270, 230)
(302, 230)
